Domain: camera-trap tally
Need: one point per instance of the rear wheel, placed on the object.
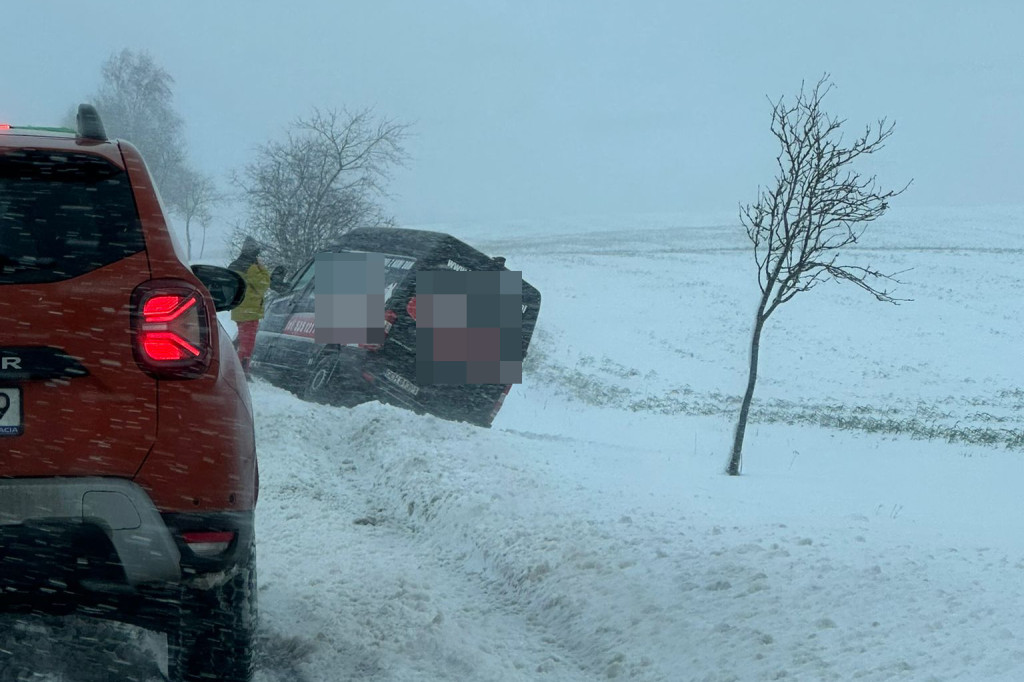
(215, 636)
(332, 382)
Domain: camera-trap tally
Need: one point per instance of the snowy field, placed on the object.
(876, 533)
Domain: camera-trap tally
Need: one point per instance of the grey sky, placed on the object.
(531, 108)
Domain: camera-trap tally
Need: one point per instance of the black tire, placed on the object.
(330, 384)
(216, 632)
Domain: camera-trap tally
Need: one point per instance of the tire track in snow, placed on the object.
(538, 551)
(344, 573)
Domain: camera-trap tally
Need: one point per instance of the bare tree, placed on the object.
(816, 208)
(324, 179)
(198, 195)
(135, 99)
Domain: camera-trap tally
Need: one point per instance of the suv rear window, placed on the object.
(63, 215)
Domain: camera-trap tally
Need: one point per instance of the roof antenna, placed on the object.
(90, 127)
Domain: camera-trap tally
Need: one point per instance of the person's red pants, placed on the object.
(246, 340)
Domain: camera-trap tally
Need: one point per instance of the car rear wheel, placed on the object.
(330, 384)
(215, 636)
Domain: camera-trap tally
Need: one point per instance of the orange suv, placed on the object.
(128, 474)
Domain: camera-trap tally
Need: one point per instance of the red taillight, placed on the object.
(171, 329)
(411, 308)
(167, 308)
(208, 543)
(5, 126)
(167, 347)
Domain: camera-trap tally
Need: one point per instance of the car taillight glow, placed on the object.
(167, 346)
(411, 308)
(167, 308)
(5, 126)
(208, 543)
(171, 329)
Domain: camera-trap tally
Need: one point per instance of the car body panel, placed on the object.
(21, 139)
(93, 412)
(101, 424)
(190, 443)
(128, 479)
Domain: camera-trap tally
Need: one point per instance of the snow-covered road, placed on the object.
(397, 547)
(515, 555)
(591, 535)
(357, 571)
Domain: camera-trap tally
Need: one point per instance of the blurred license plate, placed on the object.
(10, 412)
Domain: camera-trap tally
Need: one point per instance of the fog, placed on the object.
(528, 108)
(590, 532)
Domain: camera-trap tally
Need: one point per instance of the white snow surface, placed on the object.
(875, 533)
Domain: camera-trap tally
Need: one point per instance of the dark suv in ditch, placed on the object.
(287, 354)
(128, 474)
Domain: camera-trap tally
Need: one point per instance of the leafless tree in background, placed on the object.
(816, 208)
(323, 180)
(135, 101)
(198, 195)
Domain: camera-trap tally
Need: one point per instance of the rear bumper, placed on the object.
(475, 404)
(144, 547)
(99, 546)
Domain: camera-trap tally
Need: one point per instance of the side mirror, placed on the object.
(226, 287)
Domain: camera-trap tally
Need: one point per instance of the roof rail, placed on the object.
(90, 127)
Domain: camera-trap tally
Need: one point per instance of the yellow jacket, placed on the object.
(257, 281)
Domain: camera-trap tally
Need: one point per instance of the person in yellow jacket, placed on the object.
(250, 311)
